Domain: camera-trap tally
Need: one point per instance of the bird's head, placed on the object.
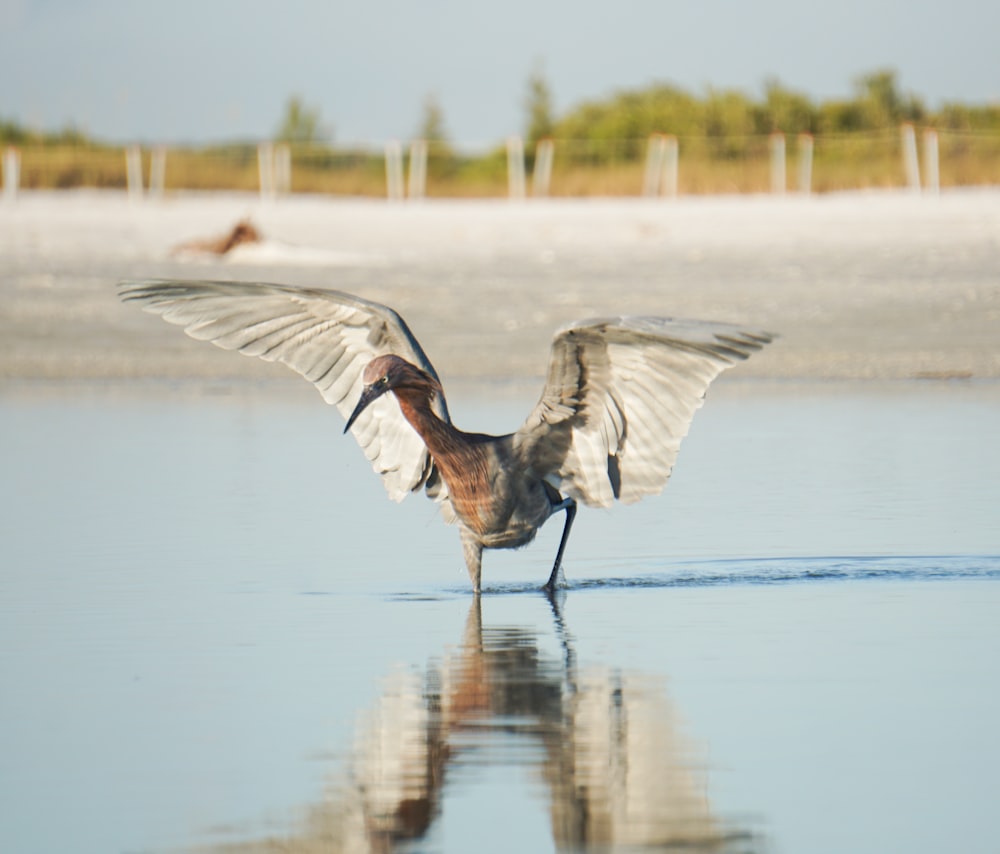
(389, 373)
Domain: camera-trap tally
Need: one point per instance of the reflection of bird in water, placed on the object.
(620, 396)
(607, 745)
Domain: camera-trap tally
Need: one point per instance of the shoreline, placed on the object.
(867, 286)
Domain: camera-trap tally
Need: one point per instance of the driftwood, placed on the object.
(243, 232)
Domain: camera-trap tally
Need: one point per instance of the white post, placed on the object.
(282, 169)
(805, 162)
(541, 175)
(515, 168)
(654, 164)
(133, 171)
(417, 185)
(910, 163)
(393, 170)
(668, 182)
(11, 172)
(932, 175)
(265, 169)
(157, 171)
(778, 180)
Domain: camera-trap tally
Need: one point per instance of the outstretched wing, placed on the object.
(620, 396)
(326, 336)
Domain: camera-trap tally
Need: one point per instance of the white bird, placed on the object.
(619, 397)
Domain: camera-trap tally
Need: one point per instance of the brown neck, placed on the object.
(415, 404)
(463, 462)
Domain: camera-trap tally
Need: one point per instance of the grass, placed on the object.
(591, 168)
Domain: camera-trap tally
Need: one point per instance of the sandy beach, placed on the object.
(862, 285)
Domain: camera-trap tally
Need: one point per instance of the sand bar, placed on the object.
(886, 285)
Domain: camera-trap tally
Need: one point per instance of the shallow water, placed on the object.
(216, 633)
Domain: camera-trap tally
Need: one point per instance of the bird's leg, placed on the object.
(569, 505)
(473, 551)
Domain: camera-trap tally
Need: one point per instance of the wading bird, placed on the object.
(619, 397)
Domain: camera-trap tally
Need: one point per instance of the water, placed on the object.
(216, 633)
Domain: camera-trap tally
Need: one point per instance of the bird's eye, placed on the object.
(384, 381)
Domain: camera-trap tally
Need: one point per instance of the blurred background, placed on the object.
(453, 99)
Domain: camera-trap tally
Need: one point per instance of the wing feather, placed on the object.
(619, 398)
(325, 336)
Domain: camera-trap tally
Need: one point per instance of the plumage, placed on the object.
(618, 399)
(326, 336)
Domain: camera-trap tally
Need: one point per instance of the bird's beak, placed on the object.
(370, 393)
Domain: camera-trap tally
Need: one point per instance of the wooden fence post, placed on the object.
(541, 175)
(778, 179)
(393, 170)
(11, 172)
(133, 171)
(417, 188)
(911, 165)
(932, 176)
(157, 171)
(282, 169)
(265, 169)
(668, 182)
(805, 162)
(655, 148)
(515, 168)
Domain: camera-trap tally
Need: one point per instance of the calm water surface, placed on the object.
(216, 633)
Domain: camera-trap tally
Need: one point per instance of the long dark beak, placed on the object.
(370, 393)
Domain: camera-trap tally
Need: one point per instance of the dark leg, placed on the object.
(569, 505)
(473, 551)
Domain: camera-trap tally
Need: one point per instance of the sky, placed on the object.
(180, 71)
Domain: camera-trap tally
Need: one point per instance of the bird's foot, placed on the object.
(556, 580)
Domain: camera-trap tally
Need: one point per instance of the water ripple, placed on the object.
(794, 570)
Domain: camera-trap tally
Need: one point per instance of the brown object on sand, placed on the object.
(243, 232)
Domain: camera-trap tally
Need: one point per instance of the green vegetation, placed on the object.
(300, 124)
(727, 119)
(12, 133)
(600, 145)
(538, 106)
(431, 125)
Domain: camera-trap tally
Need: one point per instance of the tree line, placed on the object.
(877, 104)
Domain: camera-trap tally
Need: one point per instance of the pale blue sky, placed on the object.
(178, 70)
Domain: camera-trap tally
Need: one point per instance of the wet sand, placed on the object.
(877, 285)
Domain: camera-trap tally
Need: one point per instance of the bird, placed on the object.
(619, 397)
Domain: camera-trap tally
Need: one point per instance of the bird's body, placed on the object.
(619, 397)
(498, 500)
